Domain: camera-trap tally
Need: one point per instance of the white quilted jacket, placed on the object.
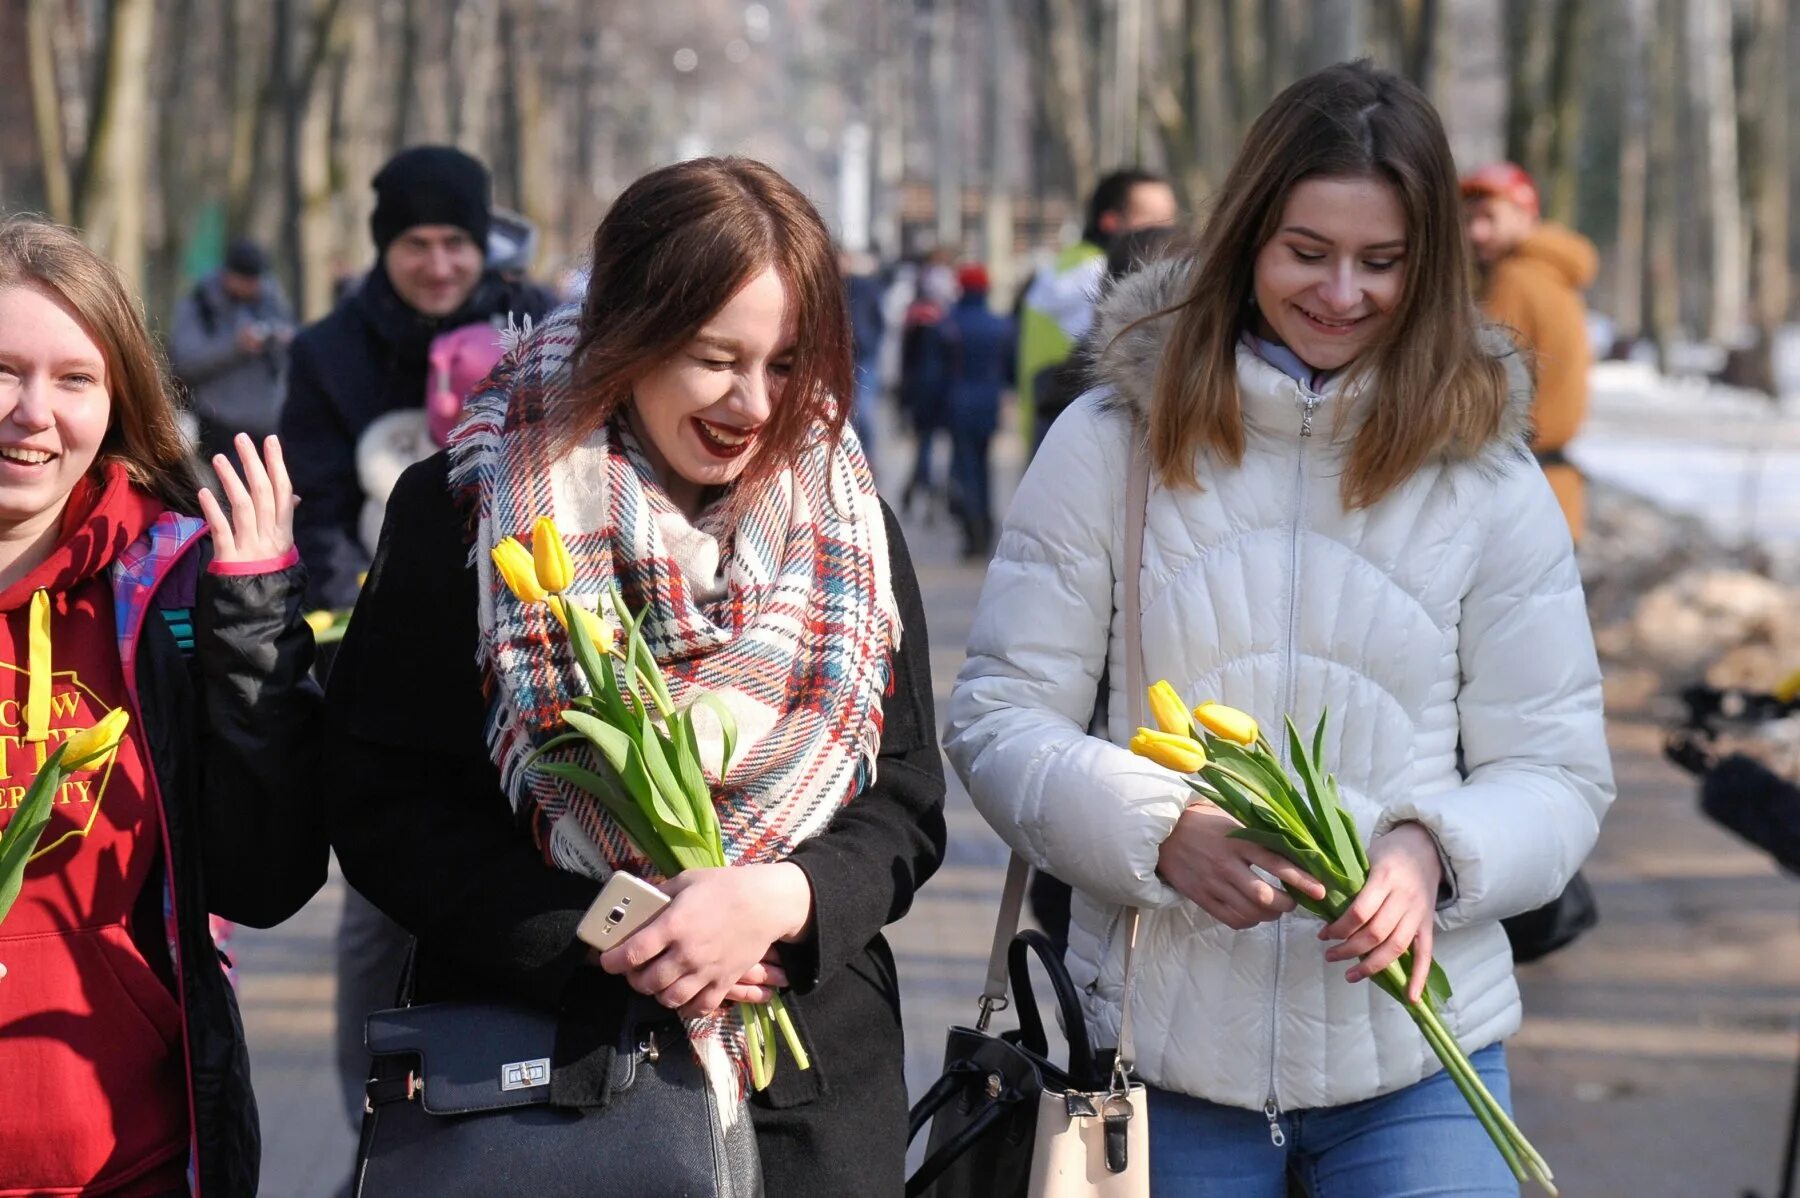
(1449, 611)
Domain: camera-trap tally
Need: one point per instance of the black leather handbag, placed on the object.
(459, 1104)
(985, 1108)
(1536, 934)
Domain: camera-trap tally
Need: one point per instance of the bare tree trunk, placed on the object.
(175, 143)
(1771, 193)
(46, 106)
(1068, 98)
(1420, 21)
(1339, 29)
(1527, 49)
(1171, 94)
(1563, 104)
(1634, 137)
(1664, 295)
(1709, 34)
(111, 198)
(404, 72)
(944, 105)
(998, 231)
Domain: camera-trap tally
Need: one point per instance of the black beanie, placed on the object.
(430, 185)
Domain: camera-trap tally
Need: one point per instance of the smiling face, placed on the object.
(54, 406)
(434, 268)
(1329, 278)
(698, 411)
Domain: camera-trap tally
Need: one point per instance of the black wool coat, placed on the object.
(423, 829)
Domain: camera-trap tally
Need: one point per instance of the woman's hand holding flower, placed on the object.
(1394, 910)
(1206, 865)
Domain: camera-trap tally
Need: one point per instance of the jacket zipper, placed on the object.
(1272, 1105)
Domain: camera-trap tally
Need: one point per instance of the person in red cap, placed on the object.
(978, 351)
(1533, 272)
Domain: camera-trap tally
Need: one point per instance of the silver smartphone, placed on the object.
(625, 905)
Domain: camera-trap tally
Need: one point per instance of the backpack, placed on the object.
(458, 363)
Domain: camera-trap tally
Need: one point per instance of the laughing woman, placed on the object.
(685, 428)
(1342, 516)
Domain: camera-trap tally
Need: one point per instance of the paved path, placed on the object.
(1656, 1058)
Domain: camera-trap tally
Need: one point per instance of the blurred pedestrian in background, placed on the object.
(370, 355)
(978, 348)
(865, 290)
(228, 345)
(925, 379)
(1059, 302)
(1533, 272)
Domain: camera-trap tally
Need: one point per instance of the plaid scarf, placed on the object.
(785, 612)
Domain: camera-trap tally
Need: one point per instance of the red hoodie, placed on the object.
(91, 1059)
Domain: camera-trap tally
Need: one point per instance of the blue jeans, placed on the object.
(1420, 1142)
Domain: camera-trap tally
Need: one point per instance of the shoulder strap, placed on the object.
(1137, 504)
(1012, 896)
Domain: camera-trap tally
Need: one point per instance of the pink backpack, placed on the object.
(460, 360)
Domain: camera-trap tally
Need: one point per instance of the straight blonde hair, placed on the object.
(142, 432)
(1438, 392)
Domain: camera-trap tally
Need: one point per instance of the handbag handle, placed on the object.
(965, 1137)
(1082, 1070)
(1012, 895)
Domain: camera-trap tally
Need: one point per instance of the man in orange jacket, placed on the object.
(1533, 272)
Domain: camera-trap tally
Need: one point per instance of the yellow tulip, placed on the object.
(1170, 712)
(550, 557)
(321, 620)
(1788, 689)
(1227, 723)
(598, 630)
(1182, 754)
(92, 742)
(517, 571)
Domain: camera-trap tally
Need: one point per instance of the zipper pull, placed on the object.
(1306, 419)
(1272, 1113)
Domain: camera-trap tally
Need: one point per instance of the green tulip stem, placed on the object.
(752, 1020)
(784, 1021)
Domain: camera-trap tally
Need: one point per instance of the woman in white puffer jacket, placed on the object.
(1343, 516)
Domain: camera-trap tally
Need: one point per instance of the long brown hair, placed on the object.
(670, 253)
(141, 432)
(1437, 390)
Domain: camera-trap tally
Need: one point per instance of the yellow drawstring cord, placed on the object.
(37, 694)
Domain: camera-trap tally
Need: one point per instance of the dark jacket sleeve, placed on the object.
(262, 831)
(321, 458)
(885, 843)
(418, 818)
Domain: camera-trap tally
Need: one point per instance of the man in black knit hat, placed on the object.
(364, 360)
(368, 357)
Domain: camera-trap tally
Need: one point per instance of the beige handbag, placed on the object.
(1098, 1145)
(1087, 1130)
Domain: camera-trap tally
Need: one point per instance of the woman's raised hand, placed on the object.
(261, 524)
(1206, 865)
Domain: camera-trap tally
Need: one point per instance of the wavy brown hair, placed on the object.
(670, 253)
(141, 431)
(1440, 393)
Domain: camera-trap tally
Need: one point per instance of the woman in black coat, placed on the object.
(685, 435)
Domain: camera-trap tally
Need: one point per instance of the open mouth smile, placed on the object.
(722, 440)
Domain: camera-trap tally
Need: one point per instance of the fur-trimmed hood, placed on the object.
(1128, 338)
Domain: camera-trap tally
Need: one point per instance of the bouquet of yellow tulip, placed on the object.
(1224, 757)
(647, 772)
(19, 839)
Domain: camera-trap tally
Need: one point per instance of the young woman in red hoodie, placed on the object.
(122, 1058)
